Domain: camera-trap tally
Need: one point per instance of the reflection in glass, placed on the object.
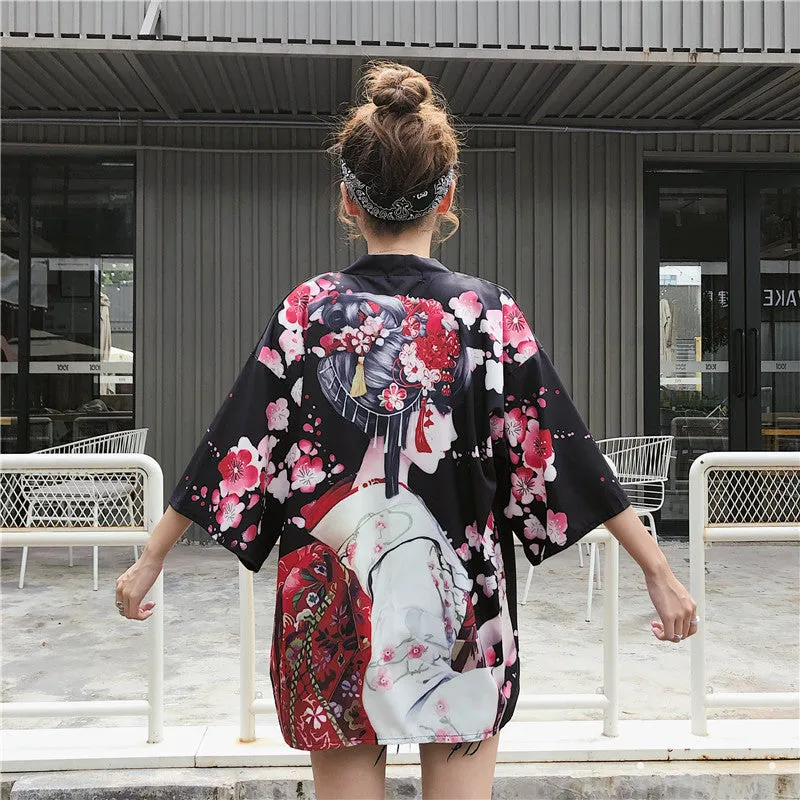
(780, 319)
(693, 331)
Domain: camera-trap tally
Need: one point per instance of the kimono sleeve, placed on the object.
(231, 486)
(558, 486)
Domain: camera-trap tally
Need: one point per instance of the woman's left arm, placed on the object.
(673, 603)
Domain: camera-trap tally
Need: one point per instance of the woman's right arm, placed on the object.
(135, 583)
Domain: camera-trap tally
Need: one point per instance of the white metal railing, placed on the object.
(605, 699)
(45, 479)
(737, 497)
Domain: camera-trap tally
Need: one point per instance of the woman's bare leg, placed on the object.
(350, 773)
(463, 774)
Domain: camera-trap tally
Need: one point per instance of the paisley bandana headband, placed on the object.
(411, 206)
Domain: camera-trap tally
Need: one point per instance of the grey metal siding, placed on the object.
(646, 24)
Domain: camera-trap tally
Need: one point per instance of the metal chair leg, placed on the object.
(527, 586)
(95, 549)
(580, 554)
(71, 560)
(598, 575)
(652, 525)
(22, 567)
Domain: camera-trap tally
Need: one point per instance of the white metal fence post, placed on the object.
(247, 656)
(697, 586)
(611, 636)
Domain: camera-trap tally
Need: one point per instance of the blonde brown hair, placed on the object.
(400, 139)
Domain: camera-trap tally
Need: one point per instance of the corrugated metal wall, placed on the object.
(223, 237)
(646, 24)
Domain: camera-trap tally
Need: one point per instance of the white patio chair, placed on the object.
(82, 499)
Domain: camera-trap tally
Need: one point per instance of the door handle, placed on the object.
(737, 362)
(754, 371)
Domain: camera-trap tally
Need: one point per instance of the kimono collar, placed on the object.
(399, 263)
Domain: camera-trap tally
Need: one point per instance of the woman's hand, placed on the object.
(673, 604)
(134, 584)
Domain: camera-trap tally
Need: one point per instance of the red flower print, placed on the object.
(250, 534)
(239, 473)
(307, 473)
(392, 399)
(411, 327)
(416, 650)
(523, 484)
(296, 306)
(537, 447)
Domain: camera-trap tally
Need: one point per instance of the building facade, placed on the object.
(631, 172)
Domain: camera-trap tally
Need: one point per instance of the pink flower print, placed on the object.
(265, 447)
(506, 690)
(492, 323)
(250, 534)
(351, 550)
(534, 529)
(392, 399)
(314, 715)
(373, 326)
(445, 736)
(278, 486)
(441, 707)
(488, 583)
(490, 657)
(466, 307)
(307, 473)
(229, 514)
(278, 415)
(556, 527)
(384, 681)
(378, 549)
(464, 552)
(295, 306)
(515, 326)
(411, 326)
(387, 654)
(474, 539)
(239, 472)
(292, 344)
(497, 427)
(448, 625)
(297, 391)
(271, 359)
(416, 651)
(526, 350)
(516, 425)
(380, 524)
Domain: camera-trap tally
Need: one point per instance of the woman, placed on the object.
(395, 427)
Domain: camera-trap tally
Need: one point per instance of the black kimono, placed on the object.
(395, 427)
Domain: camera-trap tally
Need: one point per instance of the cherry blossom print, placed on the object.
(464, 553)
(527, 484)
(494, 376)
(384, 682)
(393, 397)
(447, 737)
(278, 415)
(229, 514)
(556, 527)
(293, 345)
(239, 469)
(387, 654)
(272, 360)
(416, 650)
(506, 690)
(515, 326)
(516, 426)
(294, 314)
(476, 357)
(526, 350)
(474, 539)
(307, 473)
(534, 529)
(441, 707)
(496, 427)
(492, 324)
(279, 486)
(466, 307)
(266, 446)
(488, 583)
(537, 449)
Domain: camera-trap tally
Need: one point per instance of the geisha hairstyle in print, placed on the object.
(384, 358)
(398, 151)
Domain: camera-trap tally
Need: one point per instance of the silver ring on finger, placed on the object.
(677, 637)
(120, 605)
(695, 621)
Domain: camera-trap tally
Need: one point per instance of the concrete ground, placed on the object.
(61, 640)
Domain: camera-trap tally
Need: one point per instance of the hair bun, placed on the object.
(397, 88)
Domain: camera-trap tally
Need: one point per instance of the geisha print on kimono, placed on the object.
(395, 428)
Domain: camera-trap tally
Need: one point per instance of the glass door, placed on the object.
(774, 333)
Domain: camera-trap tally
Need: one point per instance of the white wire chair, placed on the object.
(641, 464)
(83, 499)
